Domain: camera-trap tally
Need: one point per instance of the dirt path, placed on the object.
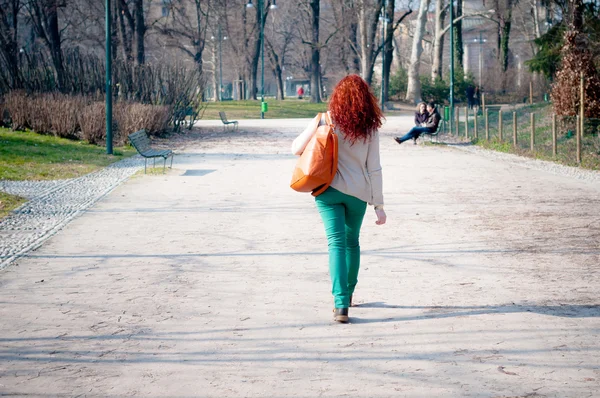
(211, 281)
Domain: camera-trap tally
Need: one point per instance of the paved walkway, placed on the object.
(212, 281)
(52, 204)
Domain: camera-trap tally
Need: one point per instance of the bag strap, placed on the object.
(328, 119)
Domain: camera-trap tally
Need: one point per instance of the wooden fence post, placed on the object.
(582, 104)
(483, 101)
(530, 92)
(457, 112)
(532, 143)
(554, 151)
(578, 134)
(515, 129)
(500, 125)
(475, 123)
(487, 125)
(466, 121)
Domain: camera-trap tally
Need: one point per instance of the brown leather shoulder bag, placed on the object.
(317, 165)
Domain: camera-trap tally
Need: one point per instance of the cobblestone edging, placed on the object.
(591, 176)
(53, 204)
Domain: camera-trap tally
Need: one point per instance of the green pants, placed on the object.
(342, 215)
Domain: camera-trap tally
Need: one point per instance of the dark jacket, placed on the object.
(421, 118)
(433, 121)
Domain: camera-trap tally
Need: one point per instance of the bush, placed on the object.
(92, 120)
(80, 117)
(3, 113)
(398, 83)
(131, 117)
(17, 107)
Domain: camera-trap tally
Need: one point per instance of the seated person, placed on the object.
(421, 116)
(430, 127)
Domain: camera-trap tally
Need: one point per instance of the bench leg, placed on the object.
(171, 161)
(145, 162)
(164, 164)
(153, 163)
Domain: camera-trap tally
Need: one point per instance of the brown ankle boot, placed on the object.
(340, 315)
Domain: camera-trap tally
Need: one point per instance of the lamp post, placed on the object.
(263, 104)
(108, 77)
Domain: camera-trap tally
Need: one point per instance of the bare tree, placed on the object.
(459, 50)
(413, 91)
(278, 41)
(186, 28)
(44, 19)
(239, 29)
(132, 29)
(315, 76)
(388, 46)
(503, 17)
(9, 40)
(368, 15)
(438, 40)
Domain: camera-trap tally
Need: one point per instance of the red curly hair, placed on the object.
(354, 109)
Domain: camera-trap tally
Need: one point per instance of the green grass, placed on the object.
(289, 108)
(9, 203)
(30, 156)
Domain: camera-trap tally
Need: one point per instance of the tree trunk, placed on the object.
(350, 58)
(55, 43)
(438, 43)
(388, 49)
(536, 19)
(368, 27)
(458, 41)
(124, 36)
(413, 91)
(276, 69)
(255, 56)
(355, 65)
(214, 78)
(140, 31)
(9, 48)
(575, 14)
(504, 49)
(315, 64)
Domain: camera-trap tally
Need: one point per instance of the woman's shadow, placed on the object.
(433, 312)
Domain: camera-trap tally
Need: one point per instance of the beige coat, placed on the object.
(359, 165)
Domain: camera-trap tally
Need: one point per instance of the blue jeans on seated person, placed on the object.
(415, 132)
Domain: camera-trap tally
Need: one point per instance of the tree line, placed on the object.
(312, 38)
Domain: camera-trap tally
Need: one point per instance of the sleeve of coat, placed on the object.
(374, 171)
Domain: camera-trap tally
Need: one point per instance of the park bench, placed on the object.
(434, 134)
(226, 122)
(141, 143)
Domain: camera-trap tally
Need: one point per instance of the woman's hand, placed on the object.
(381, 217)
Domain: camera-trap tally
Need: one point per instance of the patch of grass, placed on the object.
(25, 155)
(278, 109)
(566, 141)
(8, 203)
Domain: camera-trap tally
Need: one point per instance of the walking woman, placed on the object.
(356, 116)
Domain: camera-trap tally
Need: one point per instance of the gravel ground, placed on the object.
(52, 204)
